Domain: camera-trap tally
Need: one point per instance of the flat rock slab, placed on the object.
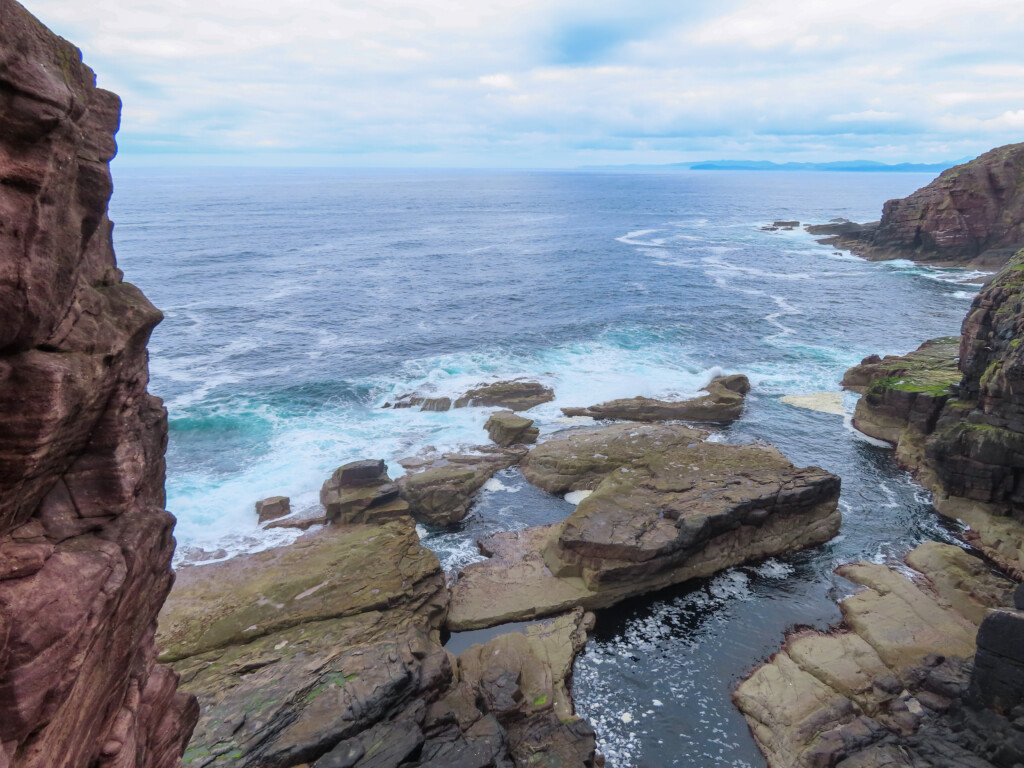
(683, 513)
(339, 571)
(579, 460)
(722, 403)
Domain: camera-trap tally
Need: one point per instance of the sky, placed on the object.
(552, 83)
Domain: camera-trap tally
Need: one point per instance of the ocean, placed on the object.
(298, 302)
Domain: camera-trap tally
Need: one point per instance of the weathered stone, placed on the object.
(273, 508)
(676, 512)
(579, 460)
(362, 492)
(722, 403)
(505, 428)
(515, 395)
(997, 681)
(85, 545)
(340, 571)
(441, 492)
(885, 687)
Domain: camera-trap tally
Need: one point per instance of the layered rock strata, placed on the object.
(891, 686)
(723, 403)
(665, 508)
(972, 214)
(327, 653)
(85, 544)
(956, 415)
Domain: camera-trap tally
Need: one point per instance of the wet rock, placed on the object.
(676, 512)
(441, 492)
(722, 403)
(273, 508)
(362, 492)
(424, 403)
(85, 544)
(505, 428)
(514, 395)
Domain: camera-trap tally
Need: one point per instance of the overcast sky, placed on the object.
(553, 82)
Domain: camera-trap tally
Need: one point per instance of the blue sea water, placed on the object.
(299, 302)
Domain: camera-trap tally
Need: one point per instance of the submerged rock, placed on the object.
(506, 429)
(362, 492)
(880, 690)
(441, 492)
(722, 403)
(670, 512)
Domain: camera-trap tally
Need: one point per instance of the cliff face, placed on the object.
(971, 214)
(85, 544)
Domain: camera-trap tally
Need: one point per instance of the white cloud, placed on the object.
(556, 81)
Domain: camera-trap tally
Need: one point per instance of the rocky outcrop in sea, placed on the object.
(927, 668)
(85, 544)
(972, 214)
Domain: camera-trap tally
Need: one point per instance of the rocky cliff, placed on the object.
(85, 544)
(971, 214)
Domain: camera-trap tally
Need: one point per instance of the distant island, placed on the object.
(767, 165)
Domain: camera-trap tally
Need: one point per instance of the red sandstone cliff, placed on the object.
(85, 544)
(971, 214)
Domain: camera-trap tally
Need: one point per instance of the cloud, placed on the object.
(554, 82)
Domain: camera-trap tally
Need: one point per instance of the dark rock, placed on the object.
(998, 678)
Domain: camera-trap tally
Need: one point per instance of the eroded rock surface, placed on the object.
(890, 687)
(665, 509)
(971, 214)
(85, 544)
(506, 429)
(362, 492)
(514, 395)
(441, 492)
(327, 653)
(956, 415)
(723, 403)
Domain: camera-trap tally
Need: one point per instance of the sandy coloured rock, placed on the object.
(362, 492)
(506, 428)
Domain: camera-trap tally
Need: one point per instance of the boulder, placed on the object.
(273, 508)
(441, 492)
(997, 681)
(722, 403)
(514, 394)
(676, 512)
(505, 428)
(362, 492)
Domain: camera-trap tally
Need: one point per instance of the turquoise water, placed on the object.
(299, 302)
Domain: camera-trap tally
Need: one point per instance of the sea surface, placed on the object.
(298, 302)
